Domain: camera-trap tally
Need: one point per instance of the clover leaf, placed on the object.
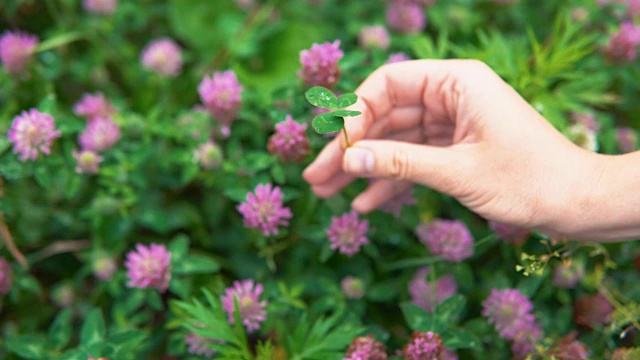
(332, 121)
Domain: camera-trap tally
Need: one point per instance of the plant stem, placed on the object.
(5, 234)
(60, 40)
(346, 137)
(617, 305)
(409, 263)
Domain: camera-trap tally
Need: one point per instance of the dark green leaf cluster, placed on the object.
(94, 340)
(443, 321)
(303, 339)
(209, 321)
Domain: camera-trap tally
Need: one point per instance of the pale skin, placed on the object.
(458, 128)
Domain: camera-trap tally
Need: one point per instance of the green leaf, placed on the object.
(127, 341)
(530, 285)
(416, 317)
(327, 123)
(278, 174)
(384, 291)
(60, 330)
(290, 194)
(93, 329)
(48, 104)
(345, 113)
(58, 40)
(189, 19)
(426, 48)
(347, 100)
(194, 264)
(448, 312)
(238, 327)
(189, 173)
(5, 144)
(322, 97)
(181, 288)
(30, 284)
(265, 351)
(178, 247)
(75, 354)
(455, 339)
(98, 350)
(26, 346)
(256, 161)
(326, 338)
(154, 300)
(236, 194)
(326, 253)
(13, 169)
(464, 276)
(43, 177)
(280, 54)
(208, 320)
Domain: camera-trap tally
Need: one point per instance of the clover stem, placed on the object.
(346, 137)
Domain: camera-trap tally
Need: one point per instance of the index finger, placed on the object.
(405, 84)
(431, 84)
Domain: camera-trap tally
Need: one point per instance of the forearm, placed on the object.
(606, 204)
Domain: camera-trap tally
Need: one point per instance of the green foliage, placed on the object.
(444, 315)
(27, 346)
(265, 351)
(93, 329)
(443, 320)
(324, 338)
(425, 47)
(191, 19)
(209, 320)
(150, 188)
(625, 317)
(552, 74)
(93, 340)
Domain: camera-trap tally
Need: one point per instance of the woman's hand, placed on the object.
(457, 127)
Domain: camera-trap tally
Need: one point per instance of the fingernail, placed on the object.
(359, 160)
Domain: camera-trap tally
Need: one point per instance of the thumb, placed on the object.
(439, 168)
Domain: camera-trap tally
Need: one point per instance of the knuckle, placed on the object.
(477, 65)
(380, 71)
(400, 164)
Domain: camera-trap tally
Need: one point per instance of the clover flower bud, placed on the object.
(405, 17)
(263, 209)
(100, 134)
(374, 37)
(93, 105)
(162, 56)
(32, 133)
(347, 233)
(87, 161)
(247, 295)
(450, 240)
(16, 49)
(100, 7)
(320, 64)
(221, 95)
(352, 287)
(149, 267)
(208, 155)
(427, 293)
(290, 142)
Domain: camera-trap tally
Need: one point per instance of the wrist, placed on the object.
(572, 202)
